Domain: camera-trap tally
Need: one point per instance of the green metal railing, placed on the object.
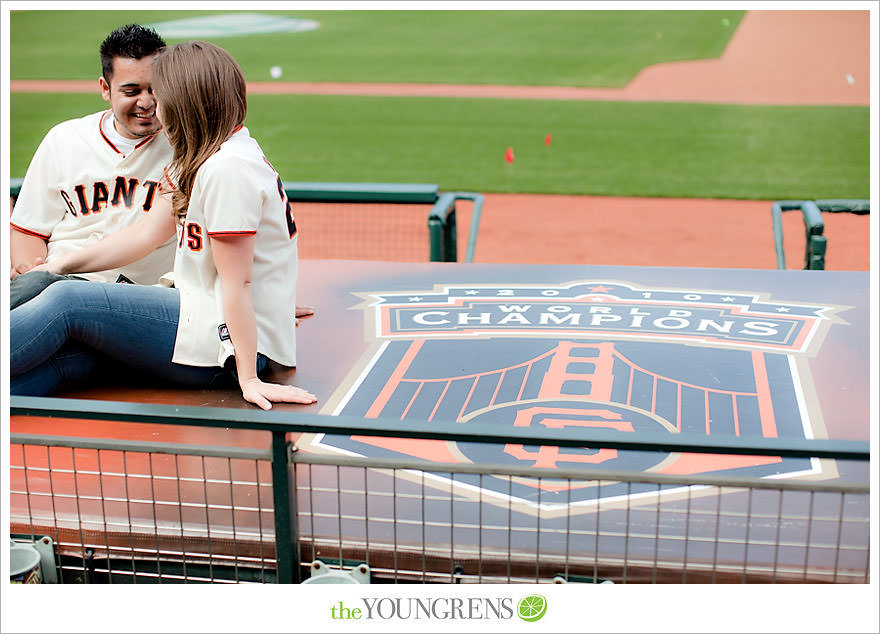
(443, 239)
(280, 423)
(814, 226)
(442, 226)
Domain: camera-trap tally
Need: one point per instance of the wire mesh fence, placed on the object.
(363, 231)
(402, 522)
(146, 513)
(134, 512)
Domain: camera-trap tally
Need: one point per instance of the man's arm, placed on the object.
(37, 208)
(26, 251)
(122, 247)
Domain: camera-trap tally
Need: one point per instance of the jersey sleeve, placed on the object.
(231, 197)
(167, 183)
(40, 206)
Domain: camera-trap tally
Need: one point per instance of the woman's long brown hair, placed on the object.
(203, 99)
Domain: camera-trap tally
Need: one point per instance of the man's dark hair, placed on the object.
(133, 41)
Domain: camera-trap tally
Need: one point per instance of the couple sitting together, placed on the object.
(167, 192)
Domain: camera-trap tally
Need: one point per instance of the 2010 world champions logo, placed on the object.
(600, 354)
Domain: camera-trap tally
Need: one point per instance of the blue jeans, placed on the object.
(24, 287)
(74, 331)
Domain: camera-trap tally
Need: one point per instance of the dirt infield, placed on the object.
(775, 57)
(655, 232)
(766, 62)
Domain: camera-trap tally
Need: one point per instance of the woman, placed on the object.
(232, 306)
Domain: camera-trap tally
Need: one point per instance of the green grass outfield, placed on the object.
(552, 48)
(598, 148)
(601, 148)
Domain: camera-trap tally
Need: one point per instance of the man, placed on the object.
(96, 174)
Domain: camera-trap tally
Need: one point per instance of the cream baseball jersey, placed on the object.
(80, 187)
(236, 193)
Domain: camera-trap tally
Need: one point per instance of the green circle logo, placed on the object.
(532, 608)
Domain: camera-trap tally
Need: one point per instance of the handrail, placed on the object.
(424, 193)
(343, 460)
(476, 213)
(440, 215)
(291, 421)
(362, 192)
(814, 226)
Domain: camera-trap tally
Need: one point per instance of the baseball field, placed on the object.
(609, 147)
(464, 99)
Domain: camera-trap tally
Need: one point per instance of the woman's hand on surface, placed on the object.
(264, 394)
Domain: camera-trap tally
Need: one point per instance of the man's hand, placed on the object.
(25, 251)
(51, 267)
(24, 267)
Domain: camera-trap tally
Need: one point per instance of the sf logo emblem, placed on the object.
(565, 413)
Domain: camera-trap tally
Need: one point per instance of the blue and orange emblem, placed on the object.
(600, 354)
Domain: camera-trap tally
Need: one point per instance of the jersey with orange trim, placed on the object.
(236, 193)
(79, 187)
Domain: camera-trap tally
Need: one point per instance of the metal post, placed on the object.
(284, 556)
(817, 246)
(450, 238)
(435, 236)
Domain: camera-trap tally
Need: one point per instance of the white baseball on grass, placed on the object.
(275, 72)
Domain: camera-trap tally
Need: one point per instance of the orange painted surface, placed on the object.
(691, 463)
(394, 379)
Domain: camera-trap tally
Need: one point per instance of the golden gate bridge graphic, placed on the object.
(586, 379)
(574, 369)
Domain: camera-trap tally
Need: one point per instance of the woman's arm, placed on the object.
(233, 258)
(122, 247)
